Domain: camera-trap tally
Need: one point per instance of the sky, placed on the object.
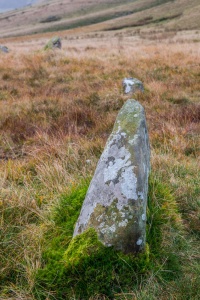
(13, 4)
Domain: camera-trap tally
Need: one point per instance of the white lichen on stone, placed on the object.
(112, 170)
(122, 214)
(101, 225)
(129, 183)
(143, 217)
(100, 217)
(112, 228)
(123, 223)
(123, 134)
(139, 242)
(134, 140)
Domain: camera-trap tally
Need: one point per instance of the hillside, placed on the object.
(107, 15)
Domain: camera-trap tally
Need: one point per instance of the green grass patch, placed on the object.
(82, 267)
(164, 230)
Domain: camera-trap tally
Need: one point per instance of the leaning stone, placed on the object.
(131, 85)
(53, 43)
(115, 204)
(4, 49)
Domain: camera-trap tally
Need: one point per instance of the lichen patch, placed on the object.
(139, 242)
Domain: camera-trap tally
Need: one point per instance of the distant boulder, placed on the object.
(54, 43)
(4, 49)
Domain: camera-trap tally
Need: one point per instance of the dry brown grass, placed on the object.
(57, 110)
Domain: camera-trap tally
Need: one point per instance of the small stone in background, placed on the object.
(4, 49)
(55, 42)
(131, 85)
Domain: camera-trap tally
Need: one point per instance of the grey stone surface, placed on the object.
(115, 204)
(131, 85)
(4, 49)
(55, 42)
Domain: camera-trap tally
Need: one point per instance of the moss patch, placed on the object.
(83, 267)
(129, 119)
(101, 270)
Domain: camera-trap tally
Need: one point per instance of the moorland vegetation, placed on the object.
(57, 109)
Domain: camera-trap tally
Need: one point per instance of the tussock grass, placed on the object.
(57, 110)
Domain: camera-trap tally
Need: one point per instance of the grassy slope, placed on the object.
(51, 109)
(28, 20)
(167, 14)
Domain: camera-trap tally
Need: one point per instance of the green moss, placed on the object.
(88, 268)
(82, 267)
(82, 246)
(101, 270)
(57, 238)
(128, 119)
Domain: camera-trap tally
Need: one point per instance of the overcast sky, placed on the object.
(12, 4)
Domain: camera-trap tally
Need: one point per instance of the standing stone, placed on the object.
(131, 85)
(115, 204)
(55, 42)
(4, 49)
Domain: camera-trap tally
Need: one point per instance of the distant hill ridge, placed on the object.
(100, 15)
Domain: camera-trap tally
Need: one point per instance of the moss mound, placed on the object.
(82, 267)
(98, 269)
